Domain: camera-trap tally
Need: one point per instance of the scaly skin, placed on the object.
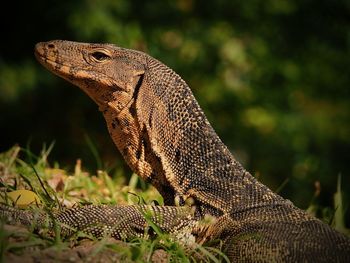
(164, 136)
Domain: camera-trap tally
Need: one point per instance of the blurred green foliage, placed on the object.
(271, 75)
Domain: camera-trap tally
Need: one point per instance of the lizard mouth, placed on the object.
(41, 55)
(46, 54)
(49, 63)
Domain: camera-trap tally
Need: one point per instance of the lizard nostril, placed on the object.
(51, 46)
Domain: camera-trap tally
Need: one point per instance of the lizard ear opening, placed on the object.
(138, 80)
(134, 84)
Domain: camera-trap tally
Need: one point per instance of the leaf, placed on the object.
(22, 198)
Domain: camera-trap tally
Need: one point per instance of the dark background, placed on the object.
(271, 75)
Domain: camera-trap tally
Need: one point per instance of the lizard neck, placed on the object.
(133, 143)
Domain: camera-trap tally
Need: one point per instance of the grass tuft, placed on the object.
(59, 189)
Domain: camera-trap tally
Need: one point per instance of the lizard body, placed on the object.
(164, 136)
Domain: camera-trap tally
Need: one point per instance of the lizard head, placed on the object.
(112, 76)
(103, 71)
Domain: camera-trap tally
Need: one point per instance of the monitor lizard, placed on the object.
(163, 135)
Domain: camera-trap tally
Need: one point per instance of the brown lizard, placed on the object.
(164, 136)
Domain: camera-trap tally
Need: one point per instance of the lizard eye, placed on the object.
(100, 56)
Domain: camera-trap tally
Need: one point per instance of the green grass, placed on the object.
(58, 188)
(334, 216)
